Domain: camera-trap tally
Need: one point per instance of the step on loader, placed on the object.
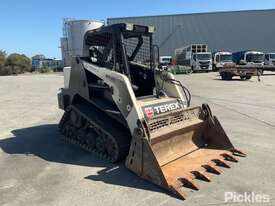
(120, 106)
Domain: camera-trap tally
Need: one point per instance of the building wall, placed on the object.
(231, 31)
(39, 61)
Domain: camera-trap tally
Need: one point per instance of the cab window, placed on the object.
(217, 58)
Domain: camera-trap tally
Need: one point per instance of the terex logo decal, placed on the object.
(157, 109)
(149, 112)
(167, 107)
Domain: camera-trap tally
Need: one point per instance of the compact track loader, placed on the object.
(119, 105)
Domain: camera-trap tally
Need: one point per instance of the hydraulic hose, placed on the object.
(186, 92)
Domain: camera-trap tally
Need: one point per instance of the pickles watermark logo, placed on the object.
(246, 197)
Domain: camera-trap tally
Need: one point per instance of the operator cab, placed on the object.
(127, 49)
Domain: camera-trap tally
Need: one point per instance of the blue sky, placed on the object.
(35, 26)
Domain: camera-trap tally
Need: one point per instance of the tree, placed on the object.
(2, 60)
(17, 64)
(2, 57)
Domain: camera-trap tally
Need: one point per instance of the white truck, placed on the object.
(250, 58)
(269, 59)
(196, 56)
(269, 62)
(220, 59)
(244, 64)
(165, 60)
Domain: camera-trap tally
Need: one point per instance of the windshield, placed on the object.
(166, 60)
(226, 58)
(272, 56)
(256, 58)
(203, 56)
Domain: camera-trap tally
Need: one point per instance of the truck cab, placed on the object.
(195, 56)
(165, 60)
(250, 58)
(201, 61)
(220, 59)
(269, 59)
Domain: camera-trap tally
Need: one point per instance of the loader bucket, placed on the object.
(189, 145)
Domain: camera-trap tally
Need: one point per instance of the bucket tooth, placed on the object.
(200, 175)
(237, 152)
(229, 157)
(211, 168)
(221, 163)
(176, 189)
(189, 183)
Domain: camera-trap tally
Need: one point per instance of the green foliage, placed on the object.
(2, 57)
(2, 60)
(45, 70)
(14, 64)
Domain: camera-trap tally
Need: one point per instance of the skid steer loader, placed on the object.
(119, 105)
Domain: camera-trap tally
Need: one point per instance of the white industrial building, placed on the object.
(231, 31)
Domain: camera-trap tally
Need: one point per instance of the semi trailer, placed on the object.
(196, 56)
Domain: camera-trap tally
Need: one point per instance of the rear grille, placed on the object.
(179, 117)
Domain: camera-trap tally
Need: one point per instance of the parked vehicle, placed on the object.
(138, 113)
(249, 58)
(245, 72)
(165, 60)
(196, 56)
(222, 58)
(269, 59)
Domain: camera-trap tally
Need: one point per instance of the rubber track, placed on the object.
(102, 122)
